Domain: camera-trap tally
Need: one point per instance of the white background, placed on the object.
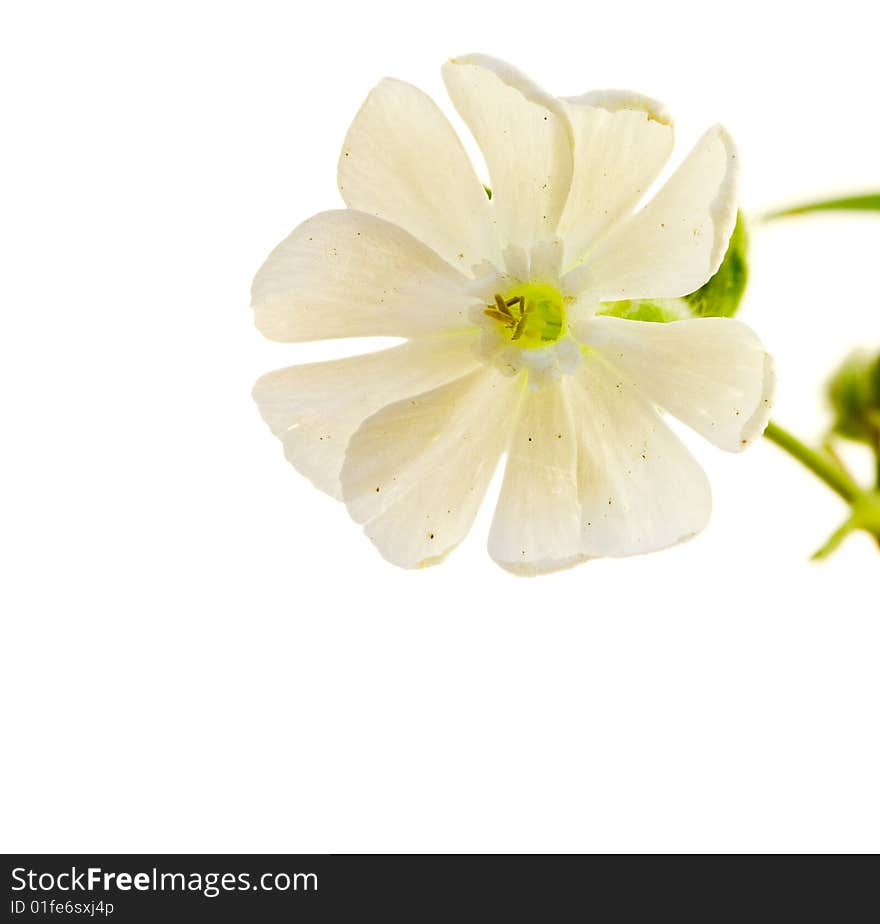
(201, 652)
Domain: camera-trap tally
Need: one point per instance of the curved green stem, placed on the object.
(834, 540)
(868, 202)
(864, 512)
(820, 465)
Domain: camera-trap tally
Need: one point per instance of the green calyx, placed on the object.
(854, 394)
(720, 297)
(660, 310)
(531, 315)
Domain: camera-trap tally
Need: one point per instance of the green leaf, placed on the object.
(869, 202)
(721, 295)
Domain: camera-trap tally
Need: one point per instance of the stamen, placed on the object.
(501, 311)
(496, 315)
(531, 318)
(534, 317)
(524, 311)
(503, 306)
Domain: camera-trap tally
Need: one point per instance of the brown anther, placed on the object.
(501, 312)
(496, 315)
(521, 323)
(502, 306)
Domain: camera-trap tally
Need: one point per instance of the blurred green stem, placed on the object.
(819, 464)
(867, 202)
(864, 505)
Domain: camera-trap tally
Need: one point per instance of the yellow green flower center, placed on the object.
(531, 314)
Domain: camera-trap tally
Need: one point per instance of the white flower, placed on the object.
(500, 300)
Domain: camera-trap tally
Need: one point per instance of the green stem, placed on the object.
(876, 448)
(834, 540)
(864, 504)
(820, 465)
(869, 202)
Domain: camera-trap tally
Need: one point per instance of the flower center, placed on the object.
(531, 314)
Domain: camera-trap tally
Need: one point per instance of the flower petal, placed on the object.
(712, 373)
(402, 161)
(349, 274)
(640, 489)
(416, 471)
(678, 240)
(537, 526)
(524, 135)
(621, 143)
(315, 408)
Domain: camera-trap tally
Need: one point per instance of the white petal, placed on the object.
(640, 489)
(622, 101)
(678, 240)
(416, 471)
(349, 274)
(712, 373)
(403, 162)
(524, 135)
(621, 143)
(545, 262)
(537, 527)
(315, 408)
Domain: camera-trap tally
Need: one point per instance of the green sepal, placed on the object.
(720, 297)
(854, 394)
(671, 309)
